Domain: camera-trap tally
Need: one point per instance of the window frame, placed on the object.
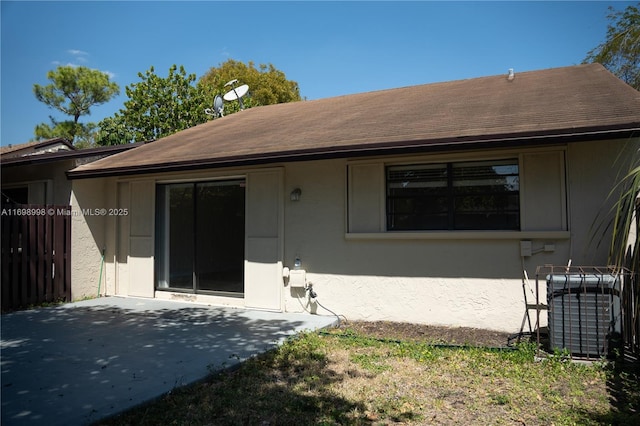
(445, 177)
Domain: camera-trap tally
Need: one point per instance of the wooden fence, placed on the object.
(36, 255)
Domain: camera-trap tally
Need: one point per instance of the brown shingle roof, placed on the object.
(554, 102)
(30, 148)
(82, 155)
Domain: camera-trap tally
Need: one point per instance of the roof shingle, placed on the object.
(36, 147)
(559, 101)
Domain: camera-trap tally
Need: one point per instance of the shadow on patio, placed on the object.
(77, 363)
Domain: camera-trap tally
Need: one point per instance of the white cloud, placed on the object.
(76, 52)
(78, 55)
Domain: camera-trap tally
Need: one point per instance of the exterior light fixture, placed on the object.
(295, 194)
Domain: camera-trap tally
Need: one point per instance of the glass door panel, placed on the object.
(220, 236)
(174, 265)
(200, 237)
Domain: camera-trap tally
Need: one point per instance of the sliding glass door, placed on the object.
(200, 233)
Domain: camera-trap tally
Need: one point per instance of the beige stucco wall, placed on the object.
(87, 237)
(460, 279)
(472, 279)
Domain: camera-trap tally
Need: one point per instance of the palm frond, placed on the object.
(620, 221)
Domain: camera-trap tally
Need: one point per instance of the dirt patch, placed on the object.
(428, 333)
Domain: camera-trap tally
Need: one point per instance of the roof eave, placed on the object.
(376, 149)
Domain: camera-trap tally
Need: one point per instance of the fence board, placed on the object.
(60, 255)
(31, 251)
(40, 260)
(6, 247)
(24, 238)
(14, 283)
(48, 262)
(36, 255)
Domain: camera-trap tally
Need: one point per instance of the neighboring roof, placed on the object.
(570, 102)
(84, 155)
(35, 148)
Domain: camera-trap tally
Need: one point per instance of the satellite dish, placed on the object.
(218, 108)
(236, 93)
(233, 94)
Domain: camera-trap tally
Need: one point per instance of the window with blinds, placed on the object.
(477, 195)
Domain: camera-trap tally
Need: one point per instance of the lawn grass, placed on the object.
(344, 378)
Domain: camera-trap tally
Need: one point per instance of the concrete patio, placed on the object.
(80, 362)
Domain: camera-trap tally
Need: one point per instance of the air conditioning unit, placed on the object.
(583, 312)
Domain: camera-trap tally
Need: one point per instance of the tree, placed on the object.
(620, 53)
(82, 134)
(114, 131)
(267, 85)
(73, 91)
(157, 107)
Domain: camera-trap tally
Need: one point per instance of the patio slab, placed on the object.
(80, 362)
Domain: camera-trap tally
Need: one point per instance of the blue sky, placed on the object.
(329, 48)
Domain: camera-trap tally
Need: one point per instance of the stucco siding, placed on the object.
(337, 230)
(87, 237)
(471, 302)
(442, 277)
(457, 282)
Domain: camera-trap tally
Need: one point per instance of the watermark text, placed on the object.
(57, 211)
